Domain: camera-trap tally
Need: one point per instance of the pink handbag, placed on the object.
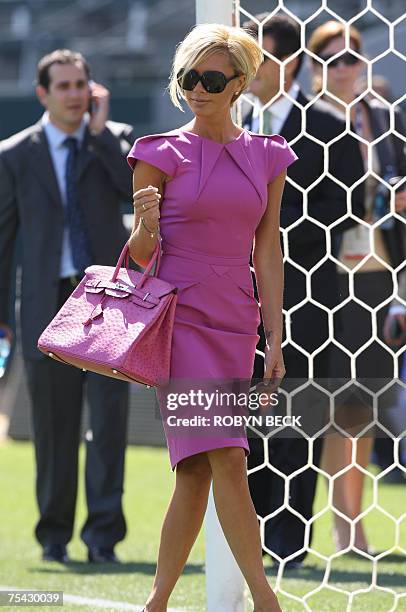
(117, 322)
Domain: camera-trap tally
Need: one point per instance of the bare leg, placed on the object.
(335, 457)
(348, 488)
(239, 522)
(181, 527)
(355, 487)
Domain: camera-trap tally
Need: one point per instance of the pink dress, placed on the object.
(212, 205)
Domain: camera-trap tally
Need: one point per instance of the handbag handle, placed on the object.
(124, 255)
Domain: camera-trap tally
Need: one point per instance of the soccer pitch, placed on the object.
(148, 484)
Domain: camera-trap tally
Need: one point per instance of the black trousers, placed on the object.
(288, 451)
(57, 392)
(284, 532)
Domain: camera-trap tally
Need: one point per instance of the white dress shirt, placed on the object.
(59, 155)
(279, 110)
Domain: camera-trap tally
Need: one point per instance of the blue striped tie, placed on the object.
(78, 234)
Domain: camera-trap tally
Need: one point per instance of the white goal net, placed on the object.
(337, 581)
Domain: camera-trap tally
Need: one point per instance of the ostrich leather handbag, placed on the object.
(117, 322)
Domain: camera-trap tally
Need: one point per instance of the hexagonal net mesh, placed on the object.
(382, 395)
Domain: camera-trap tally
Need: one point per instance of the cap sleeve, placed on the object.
(157, 150)
(280, 156)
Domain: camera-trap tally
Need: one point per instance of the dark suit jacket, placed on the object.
(326, 203)
(327, 200)
(31, 202)
(391, 152)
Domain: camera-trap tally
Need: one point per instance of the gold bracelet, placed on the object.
(150, 232)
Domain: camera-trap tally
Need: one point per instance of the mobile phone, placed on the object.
(91, 108)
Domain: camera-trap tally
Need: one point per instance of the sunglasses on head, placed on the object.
(213, 81)
(347, 59)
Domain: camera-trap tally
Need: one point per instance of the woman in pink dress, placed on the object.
(212, 191)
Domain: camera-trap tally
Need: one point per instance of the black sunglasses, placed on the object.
(347, 59)
(213, 81)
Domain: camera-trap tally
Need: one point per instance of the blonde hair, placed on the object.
(322, 37)
(203, 41)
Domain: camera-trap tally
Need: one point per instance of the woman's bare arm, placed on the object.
(268, 265)
(148, 188)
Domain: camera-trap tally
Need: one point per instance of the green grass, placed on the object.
(148, 484)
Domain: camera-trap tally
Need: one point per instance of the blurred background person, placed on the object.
(288, 452)
(382, 454)
(395, 336)
(61, 183)
(372, 280)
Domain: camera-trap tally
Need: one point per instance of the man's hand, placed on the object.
(100, 99)
(7, 331)
(394, 329)
(400, 201)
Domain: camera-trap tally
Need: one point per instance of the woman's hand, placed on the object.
(274, 365)
(273, 374)
(146, 206)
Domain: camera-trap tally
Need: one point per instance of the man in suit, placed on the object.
(396, 317)
(309, 188)
(395, 336)
(61, 184)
